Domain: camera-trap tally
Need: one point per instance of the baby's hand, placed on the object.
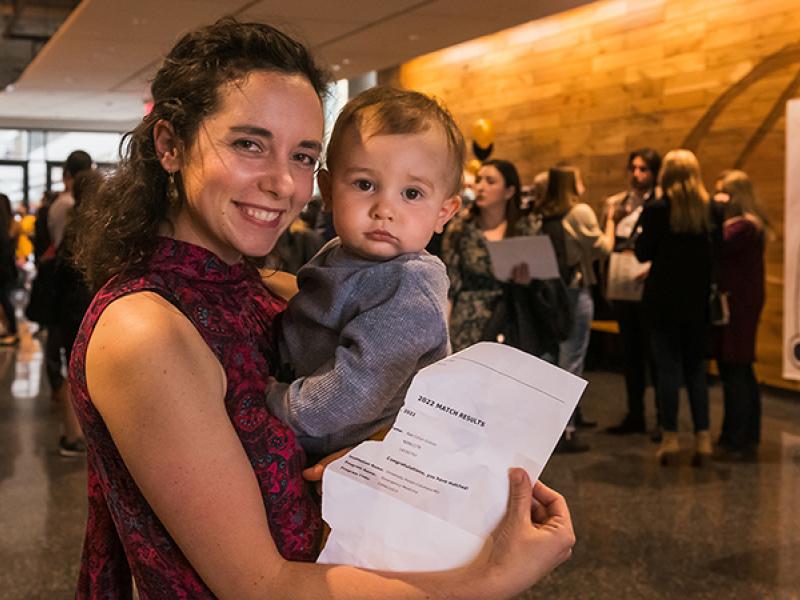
(315, 473)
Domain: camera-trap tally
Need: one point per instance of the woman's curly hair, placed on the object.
(121, 222)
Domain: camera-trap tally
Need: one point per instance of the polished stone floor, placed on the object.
(726, 531)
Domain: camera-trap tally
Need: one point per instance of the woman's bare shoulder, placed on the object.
(140, 341)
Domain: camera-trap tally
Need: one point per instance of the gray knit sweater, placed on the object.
(355, 335)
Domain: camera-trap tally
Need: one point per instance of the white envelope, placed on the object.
(428, 495)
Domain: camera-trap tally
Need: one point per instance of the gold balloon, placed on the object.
(483, 133)
(474, 166)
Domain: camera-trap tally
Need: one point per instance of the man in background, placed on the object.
(643, 167)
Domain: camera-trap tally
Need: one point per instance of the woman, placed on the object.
(741, 275)
(9, 229)
(643, 167)
(73, 299)
(578, 241)
(194, 488)
(474, 291)
(676, 235)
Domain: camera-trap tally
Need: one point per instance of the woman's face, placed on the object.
(490, 188)
(251, 168)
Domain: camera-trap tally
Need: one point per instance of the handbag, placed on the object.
(533, 318)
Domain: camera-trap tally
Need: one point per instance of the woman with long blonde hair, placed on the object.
(676, 235)
(741, 275)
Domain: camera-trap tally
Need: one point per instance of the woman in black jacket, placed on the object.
(676, 235)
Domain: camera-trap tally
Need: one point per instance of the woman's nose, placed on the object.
(277, 180)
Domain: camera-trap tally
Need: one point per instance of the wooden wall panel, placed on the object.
(591, 84)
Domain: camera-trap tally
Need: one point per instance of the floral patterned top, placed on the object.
(474, 291)
(234, 314)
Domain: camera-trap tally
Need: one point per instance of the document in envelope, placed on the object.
(428, 495)
(534, 250)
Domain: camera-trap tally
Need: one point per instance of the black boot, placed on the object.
(570, 444)
(628, 426)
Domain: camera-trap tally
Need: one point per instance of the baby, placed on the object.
(372, 305)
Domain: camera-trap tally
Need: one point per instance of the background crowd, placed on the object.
(689, 241)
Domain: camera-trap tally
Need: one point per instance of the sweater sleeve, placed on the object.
(586, 231)
(379, 351)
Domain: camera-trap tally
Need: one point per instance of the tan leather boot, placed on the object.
(702, 448)
(667, 453)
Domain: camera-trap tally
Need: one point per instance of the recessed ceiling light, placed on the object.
(345, 61)
(336, 67)
(413, 37)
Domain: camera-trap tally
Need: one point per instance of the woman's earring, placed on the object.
(172, 189)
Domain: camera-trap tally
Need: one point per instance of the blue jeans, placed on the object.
(572, 351)
(679, 355)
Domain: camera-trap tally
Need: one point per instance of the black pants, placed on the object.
(637, 356)
(52, 357)
(8, 308)
(679, 352)
(741, 427)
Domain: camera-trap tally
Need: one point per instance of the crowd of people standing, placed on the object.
(696, 250)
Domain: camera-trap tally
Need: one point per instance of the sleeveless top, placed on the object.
(234, 314)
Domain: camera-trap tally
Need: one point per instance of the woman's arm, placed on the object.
(594, 241)
(160, 392)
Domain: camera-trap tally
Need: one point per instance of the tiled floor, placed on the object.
(727, 531)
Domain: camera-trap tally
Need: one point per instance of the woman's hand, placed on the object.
(520, 274)
(280, 283)
(534, 537)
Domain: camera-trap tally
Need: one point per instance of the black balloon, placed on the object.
(482, 153)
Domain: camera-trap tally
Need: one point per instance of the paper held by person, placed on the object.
(534, 250)
(431, 492)
(626, 276)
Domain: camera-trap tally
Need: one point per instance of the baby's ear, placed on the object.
(324, 183)
(449, 207)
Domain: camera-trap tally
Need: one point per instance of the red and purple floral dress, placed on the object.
(234, 314)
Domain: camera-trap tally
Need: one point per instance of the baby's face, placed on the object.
(390, 193)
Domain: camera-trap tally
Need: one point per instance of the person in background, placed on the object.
(74, 298)
(41, 231)
(8, 270)
(195, 489)
(677, 236)
(494, 215)
(71, 442)
(625, 208)
(294, 248)
(578, 241)
(741, 276)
